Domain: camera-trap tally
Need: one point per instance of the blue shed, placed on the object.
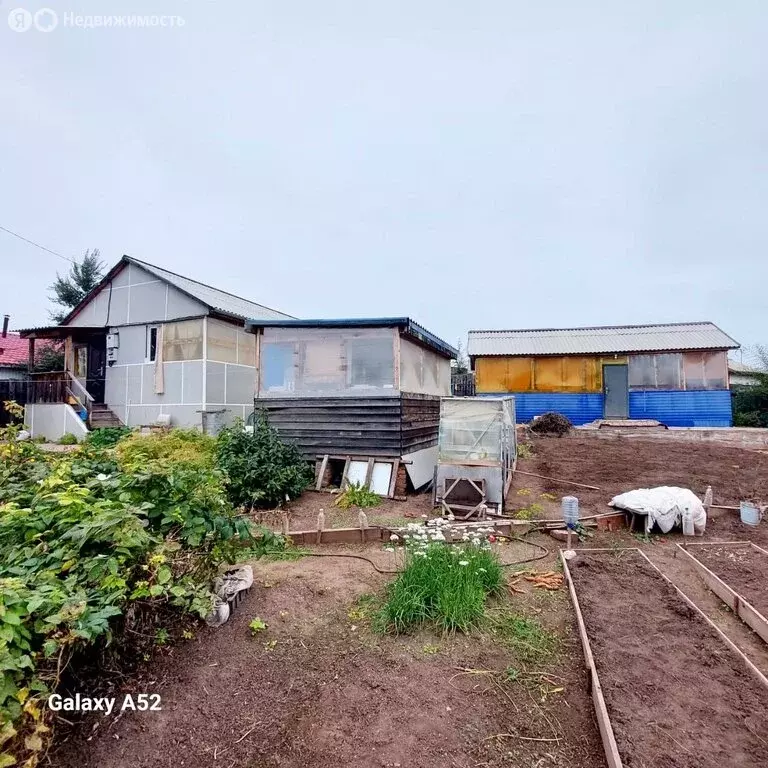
(675, 373)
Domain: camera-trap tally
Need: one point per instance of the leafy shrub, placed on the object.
(551, 424)
(524, 451)
(357, 495)
(261, 470)
(93, 543)
(442, 585)
(67, 439)
(107, 437)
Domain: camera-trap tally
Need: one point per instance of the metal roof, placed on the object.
(599, 340)
(408, 326)
(212, 297)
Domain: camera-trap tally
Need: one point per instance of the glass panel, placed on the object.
(370, 362)
(642, 372)
(668, 371)
(277, 367)
(183, 340)
(473, 430)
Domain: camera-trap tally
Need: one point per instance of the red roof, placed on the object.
(13, 350)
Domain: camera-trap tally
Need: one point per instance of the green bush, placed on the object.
(67, 439)
(107, 437)
(93, 542)
(261, 470)
(442, 585)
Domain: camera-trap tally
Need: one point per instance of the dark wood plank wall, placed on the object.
(363, 426)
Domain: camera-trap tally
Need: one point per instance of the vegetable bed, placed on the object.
(742, 566)
(677, 695)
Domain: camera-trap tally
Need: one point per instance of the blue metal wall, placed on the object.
(710, 408)
(580, 408)
(692, 408)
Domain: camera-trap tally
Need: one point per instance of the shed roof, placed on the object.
(599, 340)
(405, 324)
(213, 298)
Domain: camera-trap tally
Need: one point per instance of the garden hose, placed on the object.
(540, 556)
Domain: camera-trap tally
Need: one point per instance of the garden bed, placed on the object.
(737, 572)
(677, 692)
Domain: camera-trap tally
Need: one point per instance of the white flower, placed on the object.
(102, 476)
(463, 562)
(481, 570)
(394, 537)
(389, 549)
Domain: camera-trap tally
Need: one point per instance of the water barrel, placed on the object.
(750, 513)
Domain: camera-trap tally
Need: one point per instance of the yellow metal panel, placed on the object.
(519, 371)
(548, 374)
(491, 374)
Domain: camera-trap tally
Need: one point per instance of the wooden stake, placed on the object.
(320, 526)
(559, 480)
(284, 524)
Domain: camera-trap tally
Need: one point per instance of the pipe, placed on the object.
(6, 320)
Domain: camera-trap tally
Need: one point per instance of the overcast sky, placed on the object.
(484, 164)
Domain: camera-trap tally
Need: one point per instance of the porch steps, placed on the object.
(102, 416)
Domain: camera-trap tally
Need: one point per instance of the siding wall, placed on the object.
(683, 409)
(364, 426)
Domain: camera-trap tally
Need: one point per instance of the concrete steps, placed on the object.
(102, 416)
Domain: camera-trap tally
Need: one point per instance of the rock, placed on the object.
(560, 534)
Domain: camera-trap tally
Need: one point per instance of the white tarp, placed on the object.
(663, 506)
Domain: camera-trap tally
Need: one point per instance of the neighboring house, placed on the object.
(148, 345)
(742, 375)
(676, 373)
(14, 355)
(365, 388)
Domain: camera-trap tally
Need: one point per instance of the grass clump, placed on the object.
(443, 586)
(357, 495)
(67, 439)
(525, 637)
(524, 451)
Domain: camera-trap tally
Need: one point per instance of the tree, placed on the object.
(750, 403)
(462, 361)
(70, 290)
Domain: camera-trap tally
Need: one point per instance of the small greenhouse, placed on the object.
(477, 451)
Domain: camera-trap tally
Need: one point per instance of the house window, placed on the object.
(277, 367)
(81, 361)
(183, 340)
(370, 362)
(152, 343)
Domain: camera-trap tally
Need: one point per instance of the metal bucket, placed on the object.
(750, 513)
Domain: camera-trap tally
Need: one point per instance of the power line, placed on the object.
(37, 245)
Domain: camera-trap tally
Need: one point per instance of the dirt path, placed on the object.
(318, 689)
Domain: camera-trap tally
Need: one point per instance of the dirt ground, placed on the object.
(319, 688)
(677, 698)
(743, 569)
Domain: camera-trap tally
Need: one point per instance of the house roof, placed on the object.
(405, 324)
(213, 298)
(599, 340)
(736, 367)
(14, 351)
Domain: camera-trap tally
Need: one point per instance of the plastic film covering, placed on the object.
(476, 429)
(422, 371)
(183, 341)
(705, 370)
(316, 362)
(229, 344)
(663, 371)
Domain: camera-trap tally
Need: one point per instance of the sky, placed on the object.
(493, 164)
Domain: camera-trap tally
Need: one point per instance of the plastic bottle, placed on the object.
(688, 522)
(570, 507)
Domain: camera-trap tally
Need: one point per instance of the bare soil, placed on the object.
(743, 569)
(318, 688)
(676, 695)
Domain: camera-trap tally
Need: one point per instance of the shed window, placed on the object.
(705, 370)
(370, 362)
(662, 371)
(277, 367)
(81, 361)
(151, 353)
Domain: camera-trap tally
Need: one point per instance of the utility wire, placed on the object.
(37, 245)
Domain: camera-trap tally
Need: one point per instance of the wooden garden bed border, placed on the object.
(741, 607)
(603, 719)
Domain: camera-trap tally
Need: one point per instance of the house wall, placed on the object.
(676, 388)
(423, 371)
(136, 296)
(12, 373)
(53, 420)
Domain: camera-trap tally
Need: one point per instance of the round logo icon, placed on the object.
(46, 20)
(19, 19)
